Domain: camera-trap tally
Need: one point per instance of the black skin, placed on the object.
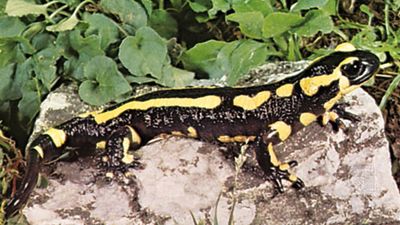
(225, 119)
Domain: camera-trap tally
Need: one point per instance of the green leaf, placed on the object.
(315, 21)
(250, 23)
(263, 6)
(144, 54)
(239, 57)
(10, 26)
(45, 66)
(85, 47)
(128, 11)
(232, 59)
(64, 25)
(10, 51)
(7, 90)
(162, 22)
(102, 26)
(148, 5)
(176, 77)
(200, 5)
(29, 105)
(307, 4)
(203, 57)
(105, 83)
(219, 5)
(330, 7)
(23, 8)
(278, 23)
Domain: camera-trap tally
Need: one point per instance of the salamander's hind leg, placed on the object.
(273, 168)
(117, 156)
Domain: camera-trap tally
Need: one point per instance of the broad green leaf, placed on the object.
(29, 105)
(128, 11)
(102, 26)
(105, 83)
(86, 47)
(148, 5)
(176, 77)
(140, 80)
(43, 40)
(330, 7)
(250, 23)
(13, 78)
(64, 25)
(10, 51)
(200, 5)
(315, 21)
(232, 59)
(45, 66)
(278, 22)
(23, 8)
(144, 54)
(162, 22)
(219, 5)
(263, 6)
(203, 56)
(10, 26)
(307, 4)
(240, 56)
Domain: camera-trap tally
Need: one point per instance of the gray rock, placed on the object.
(347, 176)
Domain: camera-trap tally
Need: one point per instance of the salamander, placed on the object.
(261, 116)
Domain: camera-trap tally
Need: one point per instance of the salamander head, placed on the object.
(349, 67)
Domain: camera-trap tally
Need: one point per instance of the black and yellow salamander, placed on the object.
(262, 115)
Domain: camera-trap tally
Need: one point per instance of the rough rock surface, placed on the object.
(347, 176)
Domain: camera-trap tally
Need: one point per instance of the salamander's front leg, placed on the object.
(336, 116)
(273, 168)
(117, 156)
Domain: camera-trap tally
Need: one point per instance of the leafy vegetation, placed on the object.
(108, 46)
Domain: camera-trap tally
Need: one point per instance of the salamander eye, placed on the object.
(356, 71)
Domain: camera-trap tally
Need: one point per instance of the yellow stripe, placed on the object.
(283, 129)
(128, 158)
(249, 103)
(345, 47)
(273, 159)
(57, 136)
(39, 150)
(135, 136)
(208, 102)
(285, 90)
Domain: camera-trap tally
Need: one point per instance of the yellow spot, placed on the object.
(249, 103)
(285, 90)
(345, 47)
(207, 102)
(273, 159)
(292, 178)
(307, 118)
(39, 150)
(311, 85)
(177, 133)
(329, 104)
(237, 138)
(128, 158)
(333, 116)
(135, 136)
(283, 129)
(284, 166)
(101, 145)
(224, 138)
(109, 175)
(57, 136)
(192, 132)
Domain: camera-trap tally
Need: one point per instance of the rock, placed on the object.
(347, 176)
